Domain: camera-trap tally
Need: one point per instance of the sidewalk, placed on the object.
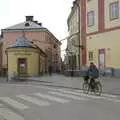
(110, 84)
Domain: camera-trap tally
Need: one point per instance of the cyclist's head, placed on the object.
(91, 63)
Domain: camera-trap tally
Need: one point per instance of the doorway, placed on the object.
(102, 59)
(22, 66)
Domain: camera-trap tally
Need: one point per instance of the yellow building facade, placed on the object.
(109, 43)
(25, 59)
(103, 34)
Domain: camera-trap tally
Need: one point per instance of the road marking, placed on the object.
(113, 100)
(108, 95)
(13, 103)
(80, 94)
(66, 91)
(47, 88)
(34, 100)
(69, 96)
(104, 96)
(101, 97)
(52, 98)
(37, 86)
(81, 91)
(9, 115)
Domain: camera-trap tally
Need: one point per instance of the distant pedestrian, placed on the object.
(9, 76)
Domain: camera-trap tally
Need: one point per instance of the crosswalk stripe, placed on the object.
(34, 100)
(87, 95)
(69, 96)
(108, 95)
(80, 94)
(66, 91)
(9, 115)
(13, 103)
(52, 98)
(101, 97)
(103, 94)
(81, 91)
(112, 100)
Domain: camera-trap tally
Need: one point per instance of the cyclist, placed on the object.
(92, 73)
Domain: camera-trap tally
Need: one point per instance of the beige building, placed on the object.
(73, 39)
(103, 34)
(38, 34)
(99, 24)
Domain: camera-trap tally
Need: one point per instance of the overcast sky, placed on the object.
(52, 13)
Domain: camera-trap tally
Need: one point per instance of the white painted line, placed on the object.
(69, 96)
(70, 92)
(113, 100)
(81, 91)
(104, 95)
(9, 115)
(47, 88)
(14, 103)
(108, 95)
(34, 100)
(100, 97)
(92, 96)
(80, 94)
(52, 98)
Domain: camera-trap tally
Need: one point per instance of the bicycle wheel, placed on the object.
(85, 87)
(98, 88)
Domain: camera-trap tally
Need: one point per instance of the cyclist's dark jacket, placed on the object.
(93, 71)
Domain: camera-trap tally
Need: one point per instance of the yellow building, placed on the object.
(24, 58)
(103, 34)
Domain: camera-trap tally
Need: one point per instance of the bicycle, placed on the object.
(85, 84)
(95, 87)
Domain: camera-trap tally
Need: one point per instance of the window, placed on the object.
(55, 46)
(90, 56)
(114, 10)
(91, 18)
(27, 24)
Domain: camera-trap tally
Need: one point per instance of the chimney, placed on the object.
(29, 18)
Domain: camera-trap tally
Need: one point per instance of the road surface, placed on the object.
(37, 102)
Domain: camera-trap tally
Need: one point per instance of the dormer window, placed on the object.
(27, 24)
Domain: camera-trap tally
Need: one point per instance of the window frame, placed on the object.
(93, 19)
(91, 55)
(110, 10)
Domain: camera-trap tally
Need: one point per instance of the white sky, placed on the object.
(52, 13)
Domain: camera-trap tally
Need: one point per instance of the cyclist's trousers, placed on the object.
(92, 83)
